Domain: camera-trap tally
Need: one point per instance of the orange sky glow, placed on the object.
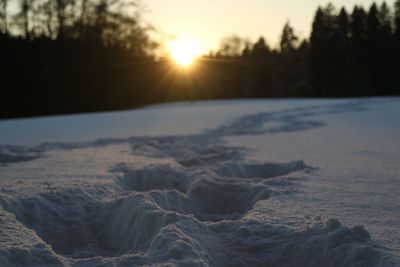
(210, 21)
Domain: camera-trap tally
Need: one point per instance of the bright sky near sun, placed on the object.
(209, 21)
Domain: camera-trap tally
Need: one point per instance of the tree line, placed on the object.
(347, 54)
(64, 56)
(108, 23)
(356, 54)
(68, 56)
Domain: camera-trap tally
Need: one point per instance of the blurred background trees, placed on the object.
(109, 23)
(347, 54)
(354, 55)
(62, 56)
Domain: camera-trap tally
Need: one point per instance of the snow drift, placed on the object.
(194, 207)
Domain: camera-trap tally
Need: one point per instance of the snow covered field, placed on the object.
(218, 183)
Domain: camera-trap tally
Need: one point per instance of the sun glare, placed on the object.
(184, 51)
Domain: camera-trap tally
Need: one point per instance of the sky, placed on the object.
(208, 21)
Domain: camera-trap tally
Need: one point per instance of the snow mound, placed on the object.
(205, 226)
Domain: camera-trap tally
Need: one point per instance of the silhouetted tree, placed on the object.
(379, 22)
(397, 19)
(290, 65)
(340, 45)
(373, 25)
(378, 46)
(342, 31)
(385, 20)
(289, 40)
(322, 31)
(358, 27)
(260, 49)
(246, 51)
(386, 54)
(358, 51)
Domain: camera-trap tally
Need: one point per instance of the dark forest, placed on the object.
(73, 56)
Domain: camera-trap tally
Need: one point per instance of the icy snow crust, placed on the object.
(189, 200)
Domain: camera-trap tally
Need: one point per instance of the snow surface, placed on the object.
(218, 183)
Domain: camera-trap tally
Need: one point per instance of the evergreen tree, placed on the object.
(358, 51)
(260, 49)
(289, 40)
(378, 49)
(358, 28)
(261, 70)
(340, 71)
(385, 22)
(397, 19)
(385, 54)
(316, 50)
(342, 31)
(373, 25)
(246, 51)
(323, 29)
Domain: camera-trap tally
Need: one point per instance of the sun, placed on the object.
(184, 51)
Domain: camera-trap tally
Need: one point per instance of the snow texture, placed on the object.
(177, 200)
